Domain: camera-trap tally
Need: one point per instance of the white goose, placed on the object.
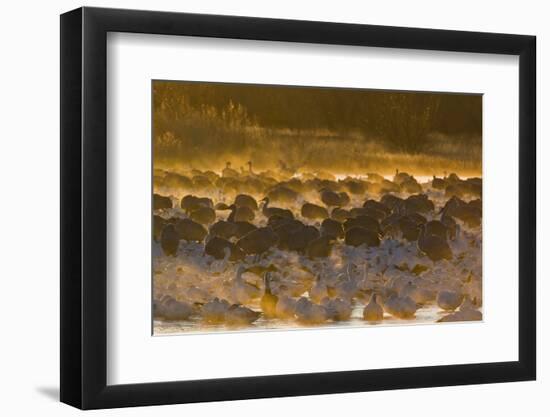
(400, 307)
(466, 312)
(337, 309)
(449, 300)
(171, 309)
(310, 313)
(346, 287)
(318, 291)
(241, 291)
(237, 315)
(418, 294)
(214, 311)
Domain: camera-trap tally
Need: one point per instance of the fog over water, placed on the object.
(290, 207)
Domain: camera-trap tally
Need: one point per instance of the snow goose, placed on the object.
(237, 315)
(171, 309)
(337, 309)
(400, 307)
(310, 313)
(448, 300)
(241, 291)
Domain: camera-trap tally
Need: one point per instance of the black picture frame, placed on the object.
(84, 207)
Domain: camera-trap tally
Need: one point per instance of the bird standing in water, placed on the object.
(373, 311)
(268, 303)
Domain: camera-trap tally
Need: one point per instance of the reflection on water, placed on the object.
(426, 314)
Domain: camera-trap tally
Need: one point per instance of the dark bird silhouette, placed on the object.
(229, 172)
(282, 194)
(244, 200)
(275, 211)
(365, 222)
(332, 228)
(438, 183)
(408, 228)
(190, 230)
(220, 248)
(355, 187)
(258, 241)
(243, 228)
(330, 198)
(223, 229)
(437, 228)
(320, 247)
(419, 203)
(169, 240)
(240, 214)
(158, 225)
(314, 212)
(298, 239)
(161, 202)
(469, 214)
(433, 246)
(357, 236)
(381, 205)
(203, 215)
(389, 201)
(340, 214)
(191, 202)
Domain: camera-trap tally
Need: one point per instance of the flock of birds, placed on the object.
(241, 248)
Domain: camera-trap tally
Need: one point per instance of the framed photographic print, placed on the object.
(257, 208)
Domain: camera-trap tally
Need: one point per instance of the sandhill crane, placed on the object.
(314, 212)
(365, 222)
(161, 202)
(298, 239)
(203, 215)
(258, 241)
(438, 183)
(434, 247)
(169, 240)
(218, 248)
(357, 236)
(229, 172)
(245, 200)
(380, 206)
(330, 198)
(223, 229)
(240, 214)
(320, 247)
(158, 225)
(332, 228)
(419, 203)
(275, 211)
(340, 214)
(190, 230)
(191, 202)
(437, 228)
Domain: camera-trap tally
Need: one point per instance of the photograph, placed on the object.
(291, 207)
